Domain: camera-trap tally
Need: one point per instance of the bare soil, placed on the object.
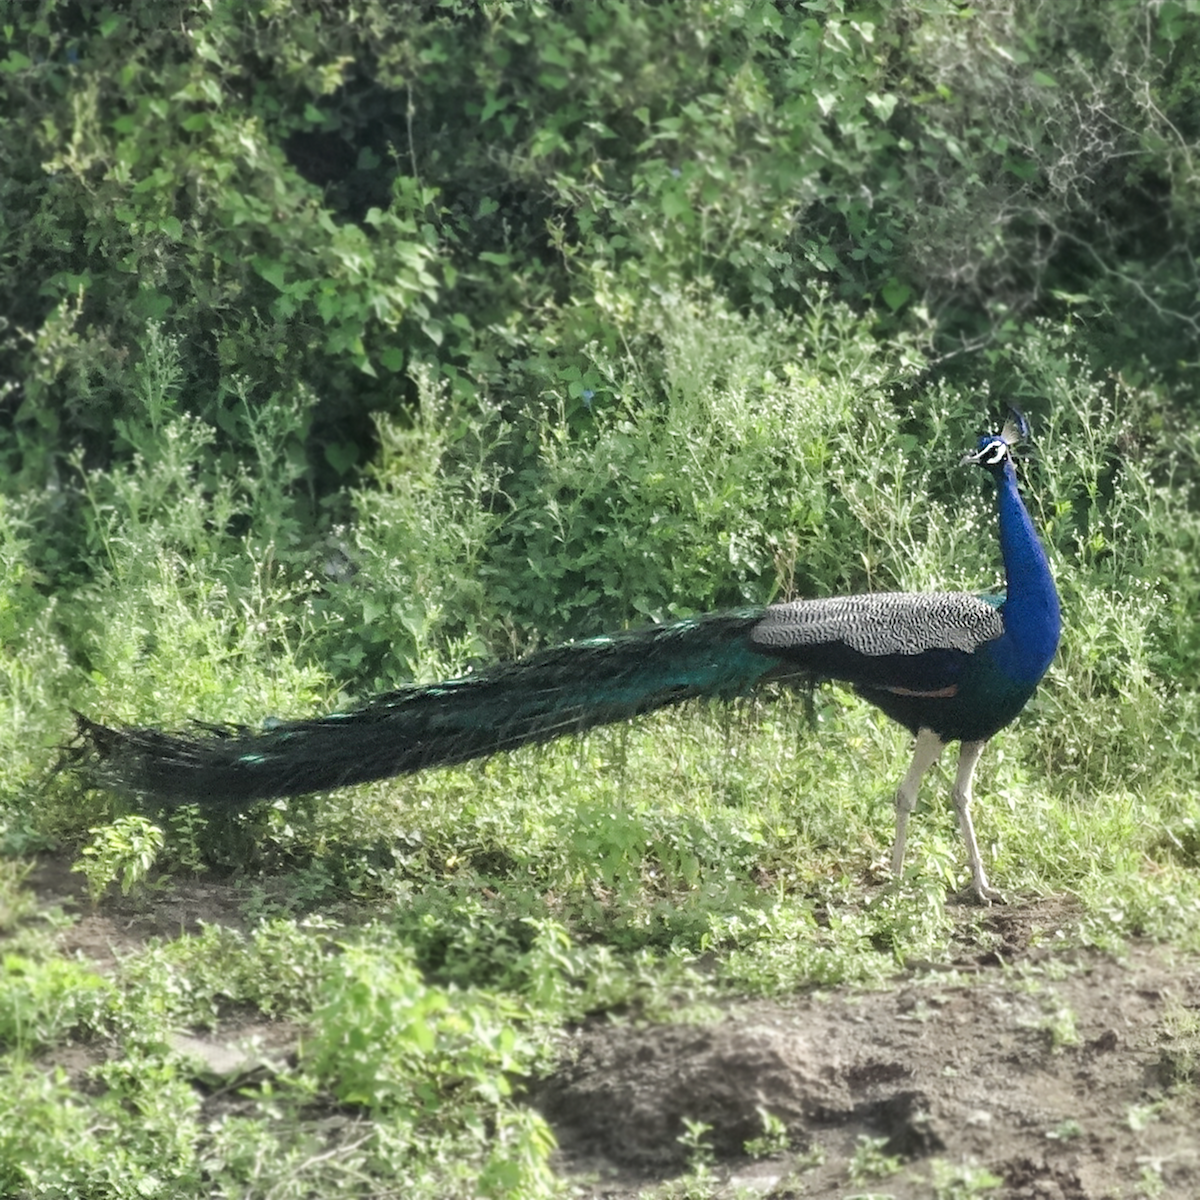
(1065, 1075)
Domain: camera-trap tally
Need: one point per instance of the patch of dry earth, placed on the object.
(1067, 1085)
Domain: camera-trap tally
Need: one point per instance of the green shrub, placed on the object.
(34, 671)
(323, 198)
(434, 1064)
(42, 1002)
(123, 852)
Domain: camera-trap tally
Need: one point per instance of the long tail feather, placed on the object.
(559, 691)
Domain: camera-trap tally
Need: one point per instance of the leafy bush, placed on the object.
(322, 199)
(41, 1002)
(426, 1060)
(34, 667)
(157, 185)
(124, 851)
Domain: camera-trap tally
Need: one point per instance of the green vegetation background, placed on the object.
(345, 345)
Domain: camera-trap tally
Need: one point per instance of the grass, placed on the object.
(420, 943)
(513, 896)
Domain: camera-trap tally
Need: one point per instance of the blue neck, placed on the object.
(1032, 622)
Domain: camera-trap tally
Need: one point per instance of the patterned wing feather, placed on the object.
(882, 623)
(909, 643)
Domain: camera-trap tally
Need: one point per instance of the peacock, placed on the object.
(950, 666)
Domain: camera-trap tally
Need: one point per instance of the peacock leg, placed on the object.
(926, 752)
(968, 758)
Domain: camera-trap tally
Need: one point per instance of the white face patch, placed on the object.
(995, 454)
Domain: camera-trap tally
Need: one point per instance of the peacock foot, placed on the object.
(983, 894)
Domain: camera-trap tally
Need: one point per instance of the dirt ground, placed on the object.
(1067, 1076)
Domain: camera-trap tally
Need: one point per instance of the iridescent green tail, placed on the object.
(560, 691)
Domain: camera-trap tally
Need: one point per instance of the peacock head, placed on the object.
(994, 451)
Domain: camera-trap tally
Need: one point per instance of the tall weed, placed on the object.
(34, 673)
(192, 610)
(410, 598)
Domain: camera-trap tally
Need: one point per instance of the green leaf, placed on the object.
(341, 456)
(1022, 168)
(883, 105)
(675, 204)
(895, 293)
(273, 271)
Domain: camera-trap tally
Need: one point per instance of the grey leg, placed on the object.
(926, 752)
(968, 758)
